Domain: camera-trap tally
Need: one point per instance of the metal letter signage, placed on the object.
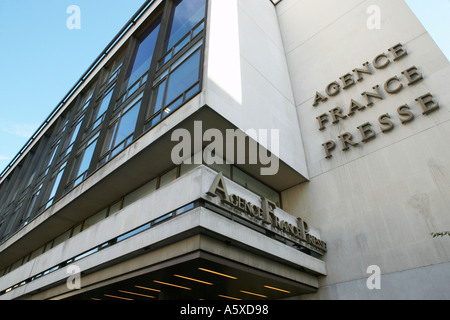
(265, 214)
(391, 86)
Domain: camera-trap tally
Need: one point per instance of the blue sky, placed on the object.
(41, 58)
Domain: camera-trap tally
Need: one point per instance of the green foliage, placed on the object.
(440, 234)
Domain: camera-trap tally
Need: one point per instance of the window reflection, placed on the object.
(86, 158)
(108, 110)
(121, 130)
(177, 85)
(144, 54)
(75, 132)
(54, 183)
(184, 77)
(127, 124)
(82, 163)
(86, 99)
(105, 103)
(186, 15)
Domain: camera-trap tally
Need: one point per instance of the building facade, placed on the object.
(240, 149)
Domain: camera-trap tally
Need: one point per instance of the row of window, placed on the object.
(153, 74)
(111, 209)
(230, 171)
(107, 244)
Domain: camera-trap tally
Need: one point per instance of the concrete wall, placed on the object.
(191, 186)
(375, 203)
(257, 84)
(246, 77)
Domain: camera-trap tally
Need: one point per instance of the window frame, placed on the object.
(68, 138)
(110, 143)
(164, 76)
(196, 35)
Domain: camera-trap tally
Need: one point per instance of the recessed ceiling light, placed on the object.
(172, 285)
(117, 297)
(228, 297)
(278, 289)
(192, 279)
(254, 294)
(218, 273)
(137, 294)
(145, 288)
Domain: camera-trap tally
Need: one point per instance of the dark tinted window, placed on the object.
(144, 54)
(186, 15)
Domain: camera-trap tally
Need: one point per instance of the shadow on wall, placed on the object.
(247, 81)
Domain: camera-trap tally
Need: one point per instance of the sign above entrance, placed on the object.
(264, 214)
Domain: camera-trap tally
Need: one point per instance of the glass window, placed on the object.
(97, 116)
(144, 54)
(174, 80)
(160, 97)
(183, 77)
(134, 232)
(55, 148)
(56, 183)
(105, 103)
(73, 136)
(162, 218)
(86, 98)
(84, 255)
(32, 204)
(121, 131)
(176, 86)
(75, 131)
(82, 162)
(127, 124)
(86, 158)
(113, 71)
(185, 208)
(186, 15)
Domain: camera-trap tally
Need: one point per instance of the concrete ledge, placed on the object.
(186, 249)
(181, 227)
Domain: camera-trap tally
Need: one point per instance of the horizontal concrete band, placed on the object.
(149, 208)
(248, 243)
